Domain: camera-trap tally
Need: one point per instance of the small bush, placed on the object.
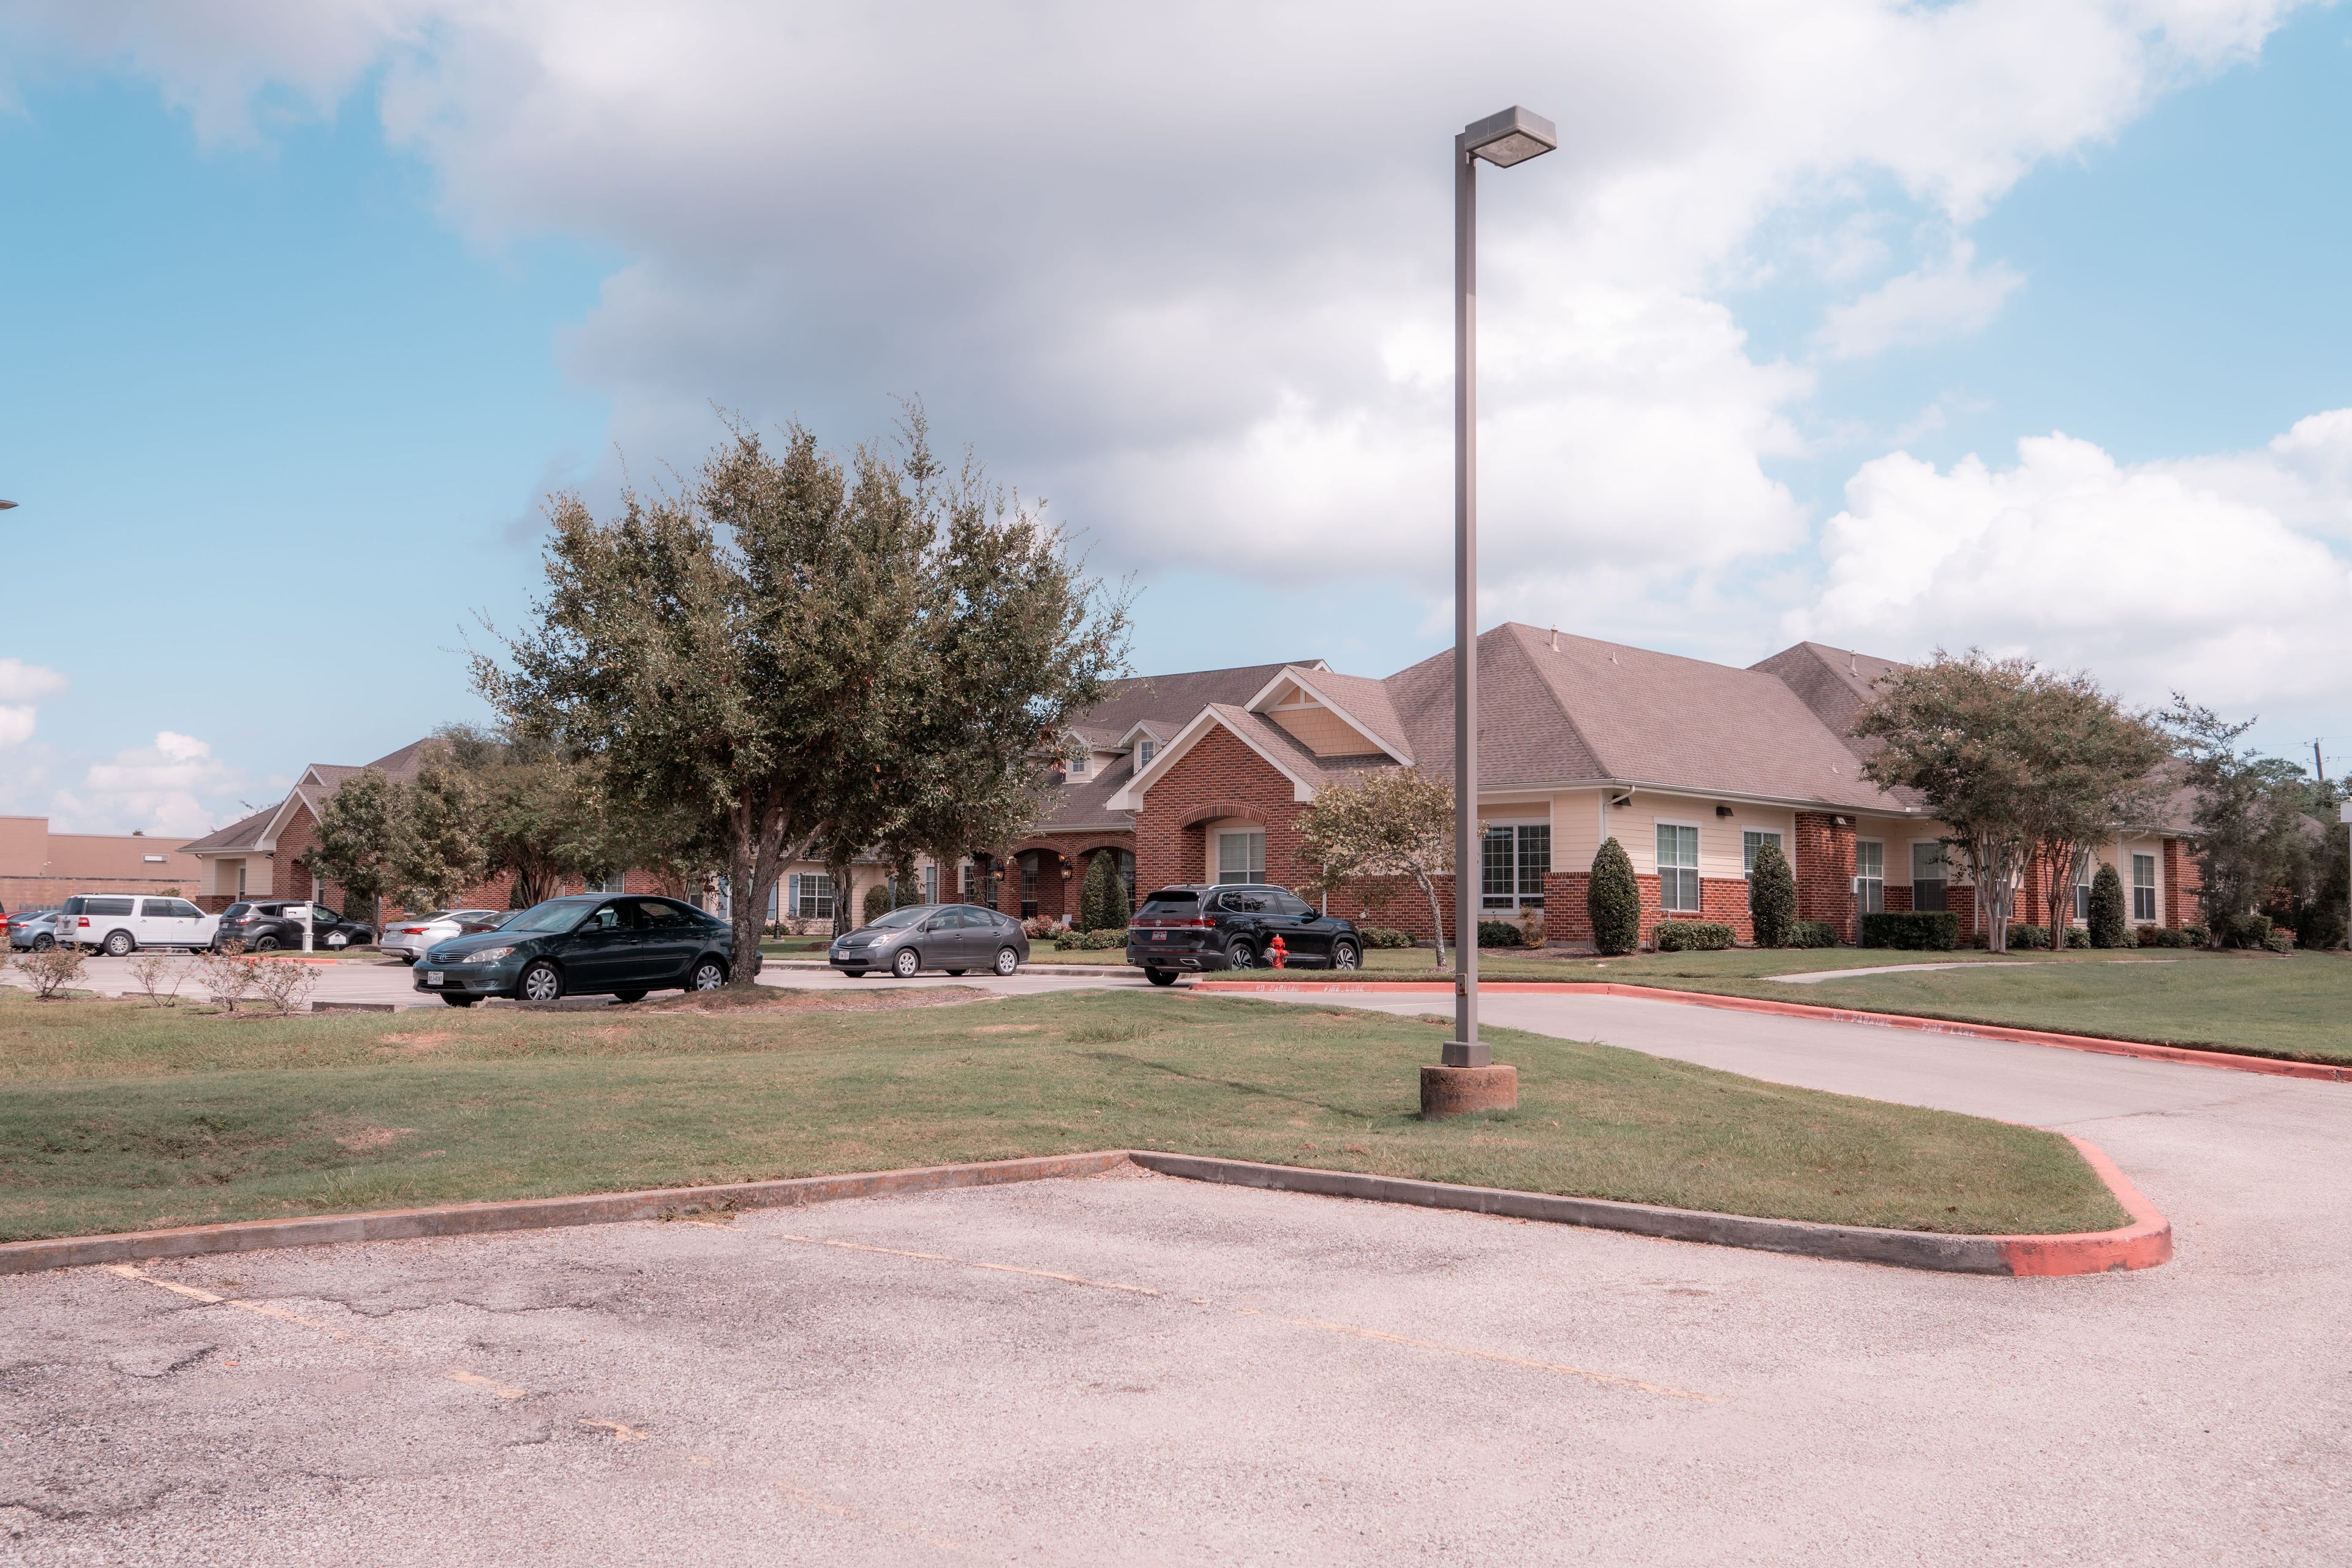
(1532, 927)
(876, 904)
(2108, 926)
(2036, 938)
(285, 984)
(2249, 930)
(1812, 934)
(2162, 936)
(1913, 931)
(1039, 927)
(1103, 937)
(1500, 933)
(1693, 936)
(1613, 898)
(2320, 925)
(1772, 897)
(150, 969)
(227, 975)
(2281, 940)
(50, 971)
(1384, 936)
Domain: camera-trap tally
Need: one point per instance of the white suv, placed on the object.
(117, 923)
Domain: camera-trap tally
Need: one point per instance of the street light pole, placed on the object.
(1466, 1077)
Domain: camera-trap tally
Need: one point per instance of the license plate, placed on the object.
(432, 977)
(1160, 936)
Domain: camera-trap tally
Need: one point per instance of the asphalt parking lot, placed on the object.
(1140, 1369)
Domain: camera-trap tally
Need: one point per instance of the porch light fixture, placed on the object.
(1514, 136)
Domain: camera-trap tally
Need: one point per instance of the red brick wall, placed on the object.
(2182, 880)
(1219, 772)
(1825, 868)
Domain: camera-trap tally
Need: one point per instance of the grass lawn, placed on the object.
(114, 1116)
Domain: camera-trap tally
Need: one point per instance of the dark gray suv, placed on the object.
(1205, 927)
(957, 938)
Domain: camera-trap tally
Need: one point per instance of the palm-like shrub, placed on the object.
(1772, 897)
(1613, 900)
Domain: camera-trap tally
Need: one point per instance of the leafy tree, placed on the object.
(444, 854)
(2091, 767)
(1393, 822)
(544, 816)
(2250, 825)
(802, 655)
(2109, 926)
(362, 839)
(1955, 731)
(1772, 897)
(1613, 901)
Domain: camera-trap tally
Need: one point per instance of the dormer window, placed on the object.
(1143, 753)
(1079, 764)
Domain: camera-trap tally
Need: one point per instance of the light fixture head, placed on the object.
(7, 505)
(1511, 137)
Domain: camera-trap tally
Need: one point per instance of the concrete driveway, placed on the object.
(1139, 1369)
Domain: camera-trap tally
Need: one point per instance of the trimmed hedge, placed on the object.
(1384, 936)
(2169, 936)
(2108, 926)
(2036, 938)
(1772, 897)
(1914, 930)
(1500, 933)
(1613, 900)
(1102, 937)
(1693, 936)
(1812, 934)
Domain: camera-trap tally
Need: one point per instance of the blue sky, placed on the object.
(302, 322)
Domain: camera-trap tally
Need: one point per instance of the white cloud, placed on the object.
(17, 724)
(2187, 575)
(1188, 266)
(1952, 299)
(175, 785)
(22, 686)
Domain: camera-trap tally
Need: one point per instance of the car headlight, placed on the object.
(487, 956)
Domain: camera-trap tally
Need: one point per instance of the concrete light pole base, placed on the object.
(1453, 1091)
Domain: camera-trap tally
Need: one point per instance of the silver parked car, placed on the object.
(32, 932)
(407, 939)
(953, 937)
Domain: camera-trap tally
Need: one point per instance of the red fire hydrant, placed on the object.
(1276, 952)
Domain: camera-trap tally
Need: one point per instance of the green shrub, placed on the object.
(2108, 926)
(2251, 929)
(1812, 934)
(1500, 933)
(1103, 937)
(877, 903)
(1772, 897)
(1692, 936)
(2320, 925)
(2025, 938)
(1613, 900)
(1384, 936)
(2162, 936)
(1913, 931)
(1102, 896)
(2281, 940)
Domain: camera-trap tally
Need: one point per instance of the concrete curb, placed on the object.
(2143, 1244)
(1092, 970)
(531, 1213)
(2233, 1061)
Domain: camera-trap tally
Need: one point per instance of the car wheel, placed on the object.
(907, 962)
(542, 982)
(265, 944)
(117, 943)
(854, 974)
(460, 1001)
(43, 943)
(1007, 961)
(1240, 955)
(1344, 955)
(1161, 976)
(709, 975)
(955, 972)
(409, 959)
(628, 995)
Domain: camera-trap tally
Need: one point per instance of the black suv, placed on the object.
(265, 927)
(1230, 927)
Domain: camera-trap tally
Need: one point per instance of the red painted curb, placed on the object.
(2229, 1061)
(2143, 1244)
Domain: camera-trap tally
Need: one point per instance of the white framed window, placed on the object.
(613, 883)
(1678, 867)
(1751, 839)
(1869, 876)
(1144, 752)
(1080, 764)
(811, 893)
(931, 883)
(1930, 877)
(2082, 889)
(1241, 856)
(2144, 887)
(1514, 859)
(317, 889)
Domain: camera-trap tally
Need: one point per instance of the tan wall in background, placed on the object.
(39, 866)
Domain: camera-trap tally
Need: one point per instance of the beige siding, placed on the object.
(1575, 830)
(1209, 841)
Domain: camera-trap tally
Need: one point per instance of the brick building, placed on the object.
(1689, 765)
(41, 868)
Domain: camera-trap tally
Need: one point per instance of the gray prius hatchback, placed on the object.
(957, 938)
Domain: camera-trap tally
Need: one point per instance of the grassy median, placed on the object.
(115, 1116)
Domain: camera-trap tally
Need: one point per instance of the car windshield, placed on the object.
(556, 914)
(900, 920)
